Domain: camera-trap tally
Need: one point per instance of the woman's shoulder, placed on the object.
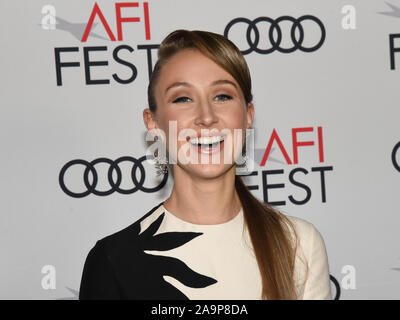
(127, 236)
(113, 258)
(312, 267)
(310, 242)
(305, 230)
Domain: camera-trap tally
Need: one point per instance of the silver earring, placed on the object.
(243, 168)
(161, 162)
(246, 161)
(161, 165)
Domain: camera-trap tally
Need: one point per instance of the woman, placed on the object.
(211, 239)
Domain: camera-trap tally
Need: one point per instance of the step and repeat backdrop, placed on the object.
(326, 80)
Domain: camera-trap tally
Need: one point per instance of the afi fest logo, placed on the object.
(291, 150)
(394, 38)
(126, 15)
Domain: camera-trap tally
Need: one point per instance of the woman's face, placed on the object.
(207, 104)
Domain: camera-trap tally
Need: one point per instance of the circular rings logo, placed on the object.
(114, 185)
(275, 34)
(396, 163)
(336, 296)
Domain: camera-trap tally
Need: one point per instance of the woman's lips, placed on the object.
(209, 148)
(205, 140)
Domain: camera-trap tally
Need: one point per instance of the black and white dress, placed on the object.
(161, 256)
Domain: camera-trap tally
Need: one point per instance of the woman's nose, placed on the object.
(206, 115)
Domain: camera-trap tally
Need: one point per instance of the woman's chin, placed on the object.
(207, 171)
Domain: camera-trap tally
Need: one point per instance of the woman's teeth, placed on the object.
(207, 140)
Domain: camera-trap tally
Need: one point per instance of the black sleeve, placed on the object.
(98, 277)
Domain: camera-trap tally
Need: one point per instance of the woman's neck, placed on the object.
(203, 201)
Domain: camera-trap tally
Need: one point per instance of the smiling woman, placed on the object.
(207, 106)
(211, 238)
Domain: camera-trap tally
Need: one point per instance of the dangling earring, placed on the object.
(246, 158)
(161, 163)
(243, 168)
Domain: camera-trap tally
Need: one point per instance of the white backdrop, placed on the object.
(341, 97)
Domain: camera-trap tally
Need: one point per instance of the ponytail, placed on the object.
(275, 252)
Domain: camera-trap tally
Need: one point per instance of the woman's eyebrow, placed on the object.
(178, 84)
(217, 82)
(187, 84)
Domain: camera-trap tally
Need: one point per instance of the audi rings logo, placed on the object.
(114, 185)
(275, 32)
(336, 285)
(396, 163)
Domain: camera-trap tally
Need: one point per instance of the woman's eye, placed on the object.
(224, 97)
(180, 99)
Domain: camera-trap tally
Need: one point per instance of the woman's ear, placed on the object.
(149, 119)
(250, 114)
